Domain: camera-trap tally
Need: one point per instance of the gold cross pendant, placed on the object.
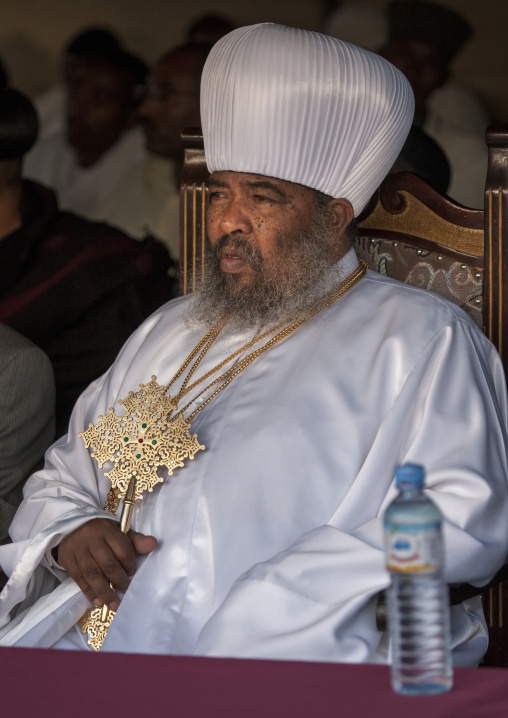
(142, 440)
(137, 444)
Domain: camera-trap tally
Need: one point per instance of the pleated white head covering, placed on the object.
(303, 107)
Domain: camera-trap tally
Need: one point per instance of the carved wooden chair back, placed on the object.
(410, 232)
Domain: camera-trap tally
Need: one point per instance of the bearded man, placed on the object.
(256, 463)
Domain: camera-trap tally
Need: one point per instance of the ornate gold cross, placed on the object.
(137, 443)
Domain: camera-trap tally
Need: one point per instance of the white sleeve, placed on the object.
(57, 500)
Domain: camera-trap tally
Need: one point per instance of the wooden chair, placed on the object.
(193, 201)
(410, 232)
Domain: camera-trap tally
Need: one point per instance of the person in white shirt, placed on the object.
(84, 160)
(146, 201)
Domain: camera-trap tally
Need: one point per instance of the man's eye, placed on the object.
(262, 198)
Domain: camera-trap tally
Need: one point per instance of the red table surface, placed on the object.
(63, 683)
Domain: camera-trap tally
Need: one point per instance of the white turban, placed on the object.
(303, 107)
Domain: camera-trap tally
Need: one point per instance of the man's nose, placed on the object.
(235, 219)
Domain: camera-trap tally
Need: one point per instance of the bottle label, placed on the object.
(414, 549)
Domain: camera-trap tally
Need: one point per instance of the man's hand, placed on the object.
(98, 553)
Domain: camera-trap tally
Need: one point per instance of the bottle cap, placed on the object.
(409, 476)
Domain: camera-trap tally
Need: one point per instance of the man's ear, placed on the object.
(342, 215)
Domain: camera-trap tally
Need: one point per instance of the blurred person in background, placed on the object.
(365, 25)
(27, 418)
(75, 288)
(84, 161)
(424, 38)
(146, 201)
(50, 105)
(359, 23)
(208, 29)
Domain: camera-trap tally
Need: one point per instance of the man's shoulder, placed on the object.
(112, 256)
(63, 232)
(393, 299)
(12, 341)
(14, 346)
(84, 231)
(70, 248)
(47, 157)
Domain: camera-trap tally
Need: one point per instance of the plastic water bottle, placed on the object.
(418, 604)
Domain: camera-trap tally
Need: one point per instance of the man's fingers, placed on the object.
(113, 564)
(98, 554)
(120, 553)
(92, 582)
(78, 577)
(95, 555)
(142, 544)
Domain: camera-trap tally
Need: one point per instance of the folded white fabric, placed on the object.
(303, 107)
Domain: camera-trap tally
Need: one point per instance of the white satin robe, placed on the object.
(270, 540)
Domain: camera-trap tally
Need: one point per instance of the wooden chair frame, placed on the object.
(193, 202)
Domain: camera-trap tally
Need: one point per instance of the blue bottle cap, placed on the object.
(409, 476)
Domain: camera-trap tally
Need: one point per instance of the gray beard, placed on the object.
(281, 290)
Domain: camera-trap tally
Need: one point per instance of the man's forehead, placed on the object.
(246, 179)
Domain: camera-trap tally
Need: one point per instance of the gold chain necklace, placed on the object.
(153, 432)
(229, 375)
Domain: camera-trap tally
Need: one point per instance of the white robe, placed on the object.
(270, 540)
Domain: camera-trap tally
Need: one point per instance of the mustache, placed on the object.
(239, 247)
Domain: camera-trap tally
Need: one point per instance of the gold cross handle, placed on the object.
(97, 622)
(128, 506)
